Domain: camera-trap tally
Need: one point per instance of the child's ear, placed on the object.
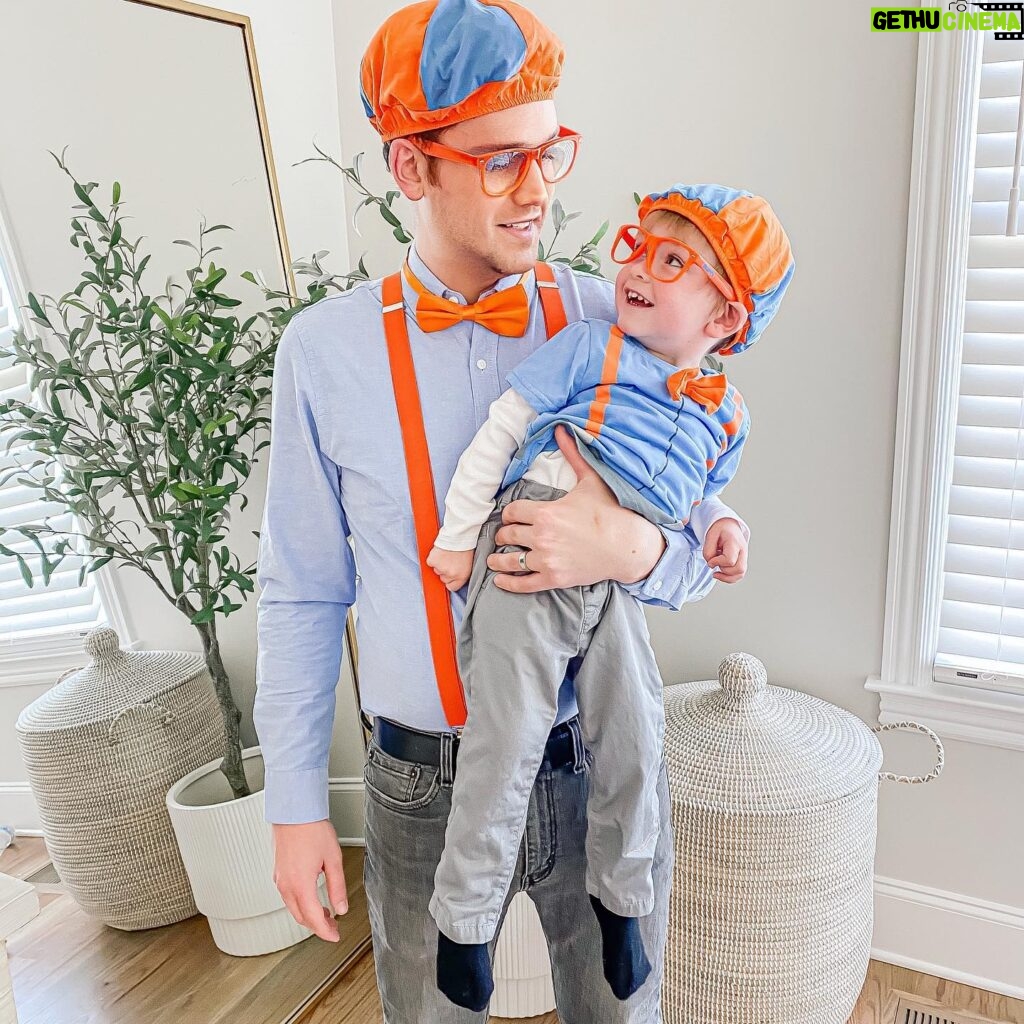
(732, 317)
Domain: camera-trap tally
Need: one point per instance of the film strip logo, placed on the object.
(1018, 7)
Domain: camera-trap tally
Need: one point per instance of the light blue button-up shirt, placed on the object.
(337, 473)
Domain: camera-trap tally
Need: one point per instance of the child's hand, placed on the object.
(725, 550)
(454, 567)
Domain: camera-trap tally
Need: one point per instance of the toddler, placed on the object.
(704, 271)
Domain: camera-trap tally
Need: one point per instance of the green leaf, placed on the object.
(386, 213)
(99, 563)
(117, 192)
(26, 574)
(168, 322)
(557, 214)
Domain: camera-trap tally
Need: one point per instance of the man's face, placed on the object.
(498, 234)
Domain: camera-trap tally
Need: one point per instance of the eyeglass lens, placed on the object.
(665, 261)
(504, 170)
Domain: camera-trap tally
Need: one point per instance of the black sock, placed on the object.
(622, 950)
(464, 972)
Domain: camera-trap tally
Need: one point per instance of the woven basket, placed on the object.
(102, 748)
(774, 807)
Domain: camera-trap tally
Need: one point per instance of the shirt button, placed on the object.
(657, 586)
(481, 364)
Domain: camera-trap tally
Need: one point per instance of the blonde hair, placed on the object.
(674, 225)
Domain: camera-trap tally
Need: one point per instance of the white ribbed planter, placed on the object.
(228, 852)
(522, 968)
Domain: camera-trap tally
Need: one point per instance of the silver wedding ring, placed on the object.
(522, 561)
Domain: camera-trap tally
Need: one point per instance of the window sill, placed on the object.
(954, 712)
(41, 661)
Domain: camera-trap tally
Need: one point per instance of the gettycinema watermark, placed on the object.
(1003, 18)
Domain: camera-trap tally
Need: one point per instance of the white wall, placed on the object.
(816, 112)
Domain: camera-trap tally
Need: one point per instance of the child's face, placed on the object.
(669, 318)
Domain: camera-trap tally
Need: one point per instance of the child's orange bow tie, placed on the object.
(506, 312)
(708, 389)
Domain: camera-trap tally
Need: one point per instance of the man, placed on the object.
(478, 77)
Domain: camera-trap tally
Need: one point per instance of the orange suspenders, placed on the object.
(436, 598)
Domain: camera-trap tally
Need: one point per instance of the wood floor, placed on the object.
(354, 999)
(69, 969)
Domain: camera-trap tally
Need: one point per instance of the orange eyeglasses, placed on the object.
(667, 258)
(504, 170)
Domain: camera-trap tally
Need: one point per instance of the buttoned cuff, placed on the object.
(666, 578)
(295, 797)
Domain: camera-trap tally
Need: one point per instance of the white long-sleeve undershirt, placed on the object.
(482, 467)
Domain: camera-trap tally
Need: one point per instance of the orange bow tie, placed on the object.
(708, 389)
(506, 312)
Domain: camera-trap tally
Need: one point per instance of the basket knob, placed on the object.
(742, 676)
(102, 642)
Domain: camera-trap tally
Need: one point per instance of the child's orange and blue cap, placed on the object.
(748, 239)
(436, 63)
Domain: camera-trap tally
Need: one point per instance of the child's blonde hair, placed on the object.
(672, 225)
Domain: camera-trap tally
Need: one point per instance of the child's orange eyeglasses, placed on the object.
(667, 258)
(504, 170)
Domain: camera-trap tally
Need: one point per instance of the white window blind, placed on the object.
(39, 612)
(981, 625)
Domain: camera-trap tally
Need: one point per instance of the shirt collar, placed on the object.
(433, 283)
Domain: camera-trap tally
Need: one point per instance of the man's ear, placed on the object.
(732, 317)
(408, 168)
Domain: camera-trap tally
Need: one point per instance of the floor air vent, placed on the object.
(917, 1011)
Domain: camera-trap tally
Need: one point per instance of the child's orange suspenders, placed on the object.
(440, 625)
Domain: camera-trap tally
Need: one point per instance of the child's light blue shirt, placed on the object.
(616, 393)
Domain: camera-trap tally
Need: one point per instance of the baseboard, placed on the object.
(960, 938)
(18, 808)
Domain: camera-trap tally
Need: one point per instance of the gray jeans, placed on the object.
(406, 811)
(514, 651)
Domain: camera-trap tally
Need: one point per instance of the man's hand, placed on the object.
(301, 853)
(454, 567)
(581, 538)
(726, 547)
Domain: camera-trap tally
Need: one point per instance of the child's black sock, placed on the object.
(464, 972)
(622, 950)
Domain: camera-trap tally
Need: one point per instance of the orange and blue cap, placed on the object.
(436, 63)
(748, 239)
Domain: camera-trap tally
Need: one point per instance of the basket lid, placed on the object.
(740, 745)
(113, 680)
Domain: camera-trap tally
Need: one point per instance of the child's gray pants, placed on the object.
(513, 651)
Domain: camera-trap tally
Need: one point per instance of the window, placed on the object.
(953, 655)
(981, 621)
(41, 627)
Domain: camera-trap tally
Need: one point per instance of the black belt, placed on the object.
(425, 747)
